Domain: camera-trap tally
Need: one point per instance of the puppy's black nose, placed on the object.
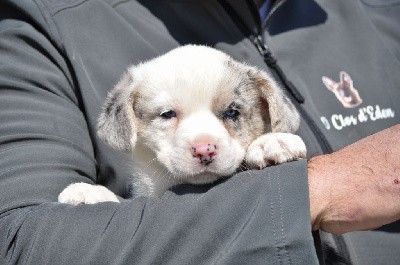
(205, 152)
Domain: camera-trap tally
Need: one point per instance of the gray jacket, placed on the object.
(58, 60)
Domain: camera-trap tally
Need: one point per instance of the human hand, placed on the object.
(357, 187)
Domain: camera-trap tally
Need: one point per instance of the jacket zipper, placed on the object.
(270, 60)
(277, 4)
(272, 63)
(257, 39)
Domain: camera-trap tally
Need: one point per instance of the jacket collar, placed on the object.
(247, 12)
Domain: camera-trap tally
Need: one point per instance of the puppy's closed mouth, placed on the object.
(203, 178)
(199, 166)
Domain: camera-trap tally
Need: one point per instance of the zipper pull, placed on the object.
(264, 51)
(271, 62)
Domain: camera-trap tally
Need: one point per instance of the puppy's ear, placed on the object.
(116, 123)
(282, 113)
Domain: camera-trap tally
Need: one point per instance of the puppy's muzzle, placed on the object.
(205, 152)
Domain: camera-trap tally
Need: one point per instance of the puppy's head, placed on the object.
(195, 111)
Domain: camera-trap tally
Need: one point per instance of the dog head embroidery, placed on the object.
(344, 90)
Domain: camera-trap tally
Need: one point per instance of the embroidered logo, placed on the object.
(344, 90)
(349, 97)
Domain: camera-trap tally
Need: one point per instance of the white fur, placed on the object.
(83, 193)
(172, 162)
(186, 80)
(275, 148)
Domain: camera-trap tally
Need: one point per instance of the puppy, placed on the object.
(193, 115)
(344, 90)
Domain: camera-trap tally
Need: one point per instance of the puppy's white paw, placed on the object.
(274, 148)
(83, 193)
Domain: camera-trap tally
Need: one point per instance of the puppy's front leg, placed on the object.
(83, 193)
(274, 148)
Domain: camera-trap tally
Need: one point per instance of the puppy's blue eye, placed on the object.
(168, 114)
(231, 113)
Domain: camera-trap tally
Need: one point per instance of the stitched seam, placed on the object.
(140, 220)
(380, 5)
(109, 221)
(32, 245)
(60, 8)
(273, 220)
(118, 2)
(281, 220)
(20, 220)
(15, 235)
(48, 20)
(56, 40)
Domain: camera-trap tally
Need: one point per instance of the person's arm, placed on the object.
(255, 217)
(45, 145)
(44, 138)
(357, 187)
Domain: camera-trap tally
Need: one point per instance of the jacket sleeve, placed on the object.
(248, 219)
(254, 217)
(44, 140)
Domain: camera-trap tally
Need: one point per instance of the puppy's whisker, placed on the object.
(150, 162)
(167, 175)
(142, 167)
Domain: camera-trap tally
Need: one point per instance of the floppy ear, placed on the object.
(116, 124)
(282, 114)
